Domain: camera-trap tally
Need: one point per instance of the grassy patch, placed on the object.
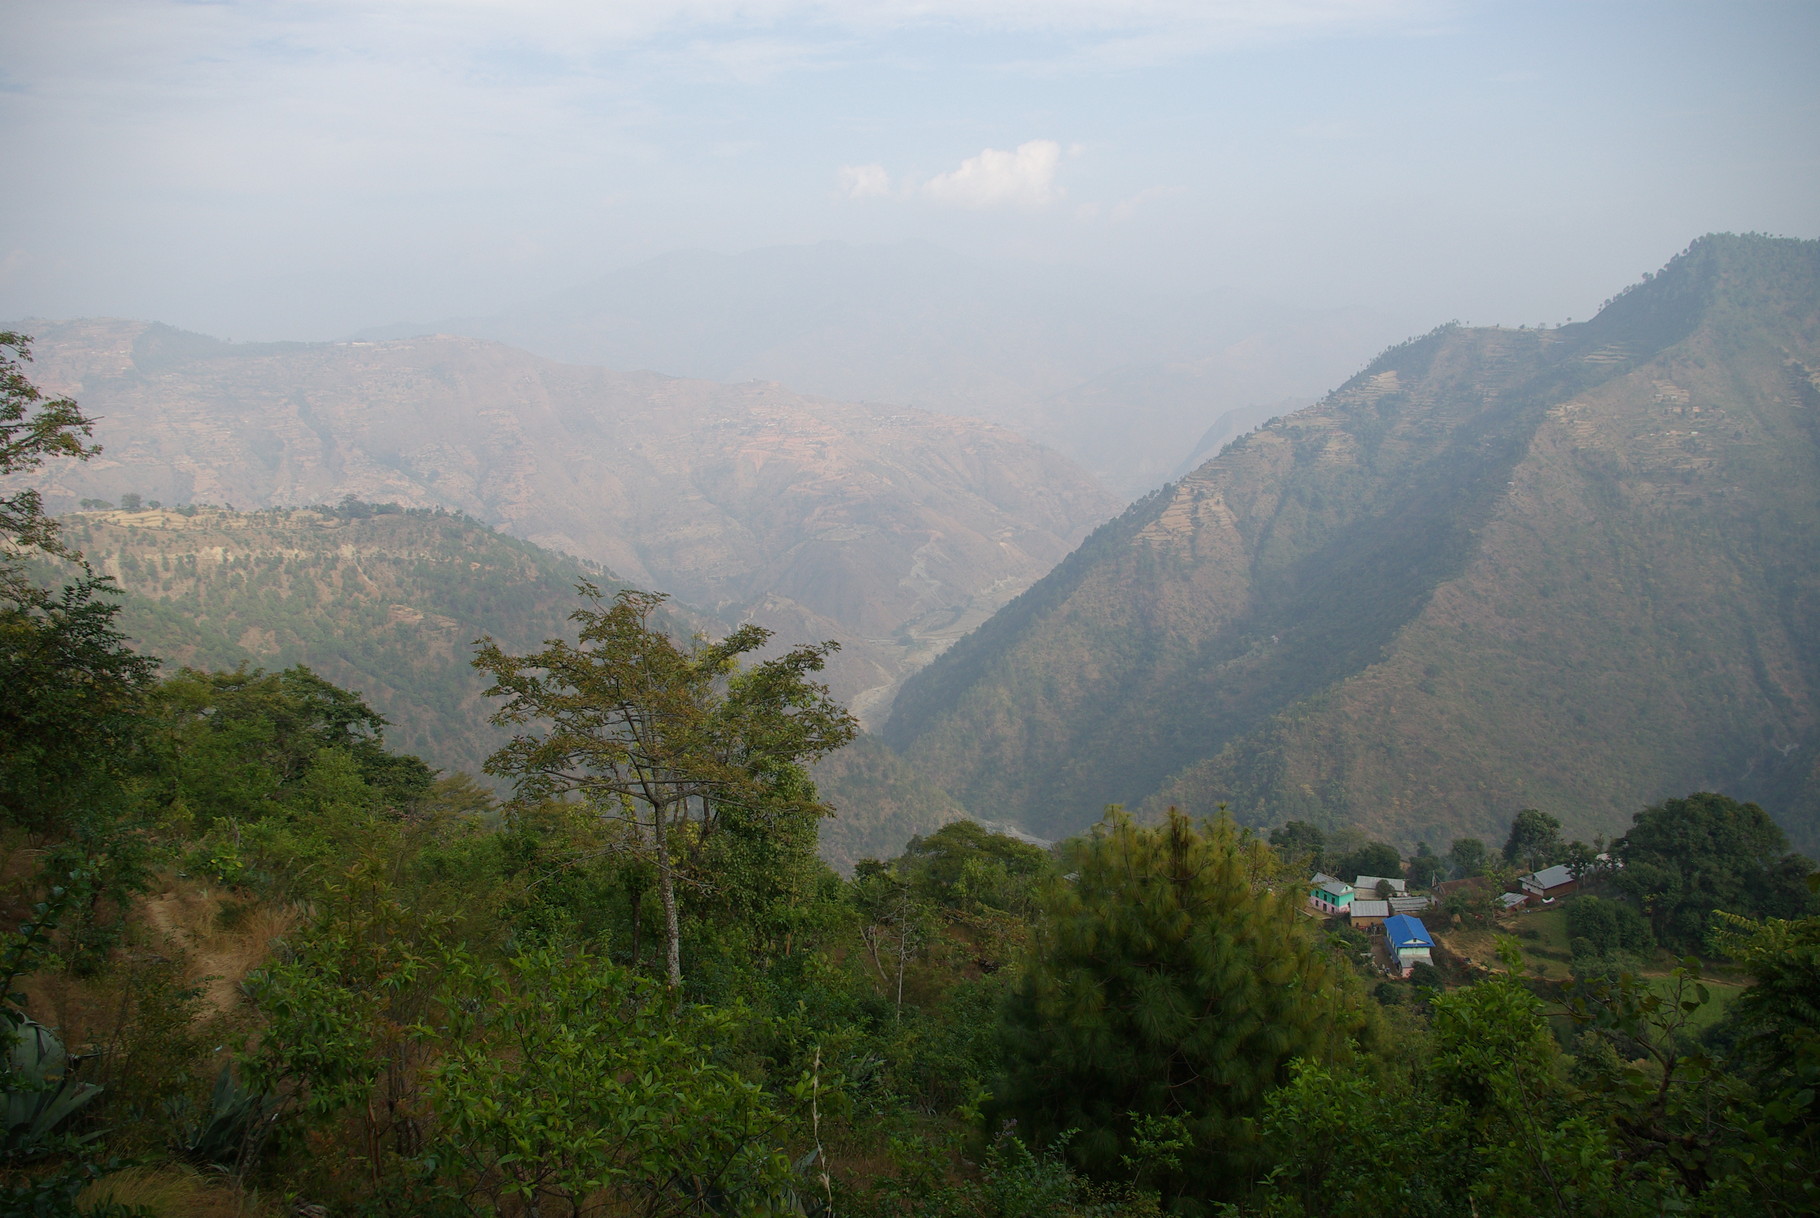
(1720, 996)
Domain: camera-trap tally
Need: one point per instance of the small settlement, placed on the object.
(1364, 909)
(1382, 906)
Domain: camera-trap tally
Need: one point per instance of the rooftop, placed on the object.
(1401, 930)
(1550, 877)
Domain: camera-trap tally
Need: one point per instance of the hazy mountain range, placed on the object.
(890, 530)
(1123, 381)
(1575, 569)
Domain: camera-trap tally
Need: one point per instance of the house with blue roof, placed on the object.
(1408, 942)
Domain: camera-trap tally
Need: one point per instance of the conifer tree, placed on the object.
(1169, 986)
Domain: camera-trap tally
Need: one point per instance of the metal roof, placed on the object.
(1401, 930)
(1550, 877)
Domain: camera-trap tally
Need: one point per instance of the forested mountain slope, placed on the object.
(388, 604)
(1575, 569)
(891, 530)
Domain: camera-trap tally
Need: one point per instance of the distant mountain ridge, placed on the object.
(1575, 569)
(890, 530)
(1122, 381)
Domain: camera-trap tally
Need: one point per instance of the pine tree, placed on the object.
(1170, 988)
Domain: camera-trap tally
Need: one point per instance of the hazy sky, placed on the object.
(265, 169)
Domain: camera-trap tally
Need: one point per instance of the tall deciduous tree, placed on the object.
(1534, 841)
(1170, 983)
(1468, 856)
(1373, 858)
(1299, 841)
(70, 682)
(32, 428)
(664, 736)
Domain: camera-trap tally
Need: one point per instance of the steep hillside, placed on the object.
(1576, 569)
(389, 605)
(880, 802)
(891, 530)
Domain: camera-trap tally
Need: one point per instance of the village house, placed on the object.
(1408, 942)
(1329, 895)
(1368, 884)
(1369, 913)
(1549, 883)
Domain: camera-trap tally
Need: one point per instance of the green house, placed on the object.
(1329, 894)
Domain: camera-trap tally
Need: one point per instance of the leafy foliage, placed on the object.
(1168, 981)
(74, 689)
(1685, 858)
(676, 741)
(1534, 841)
(33, 428)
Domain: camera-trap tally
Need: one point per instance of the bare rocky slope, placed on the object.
(891, 530)
(1575, 569)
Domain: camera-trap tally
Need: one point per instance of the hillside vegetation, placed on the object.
(1575, 569)
(388, 603)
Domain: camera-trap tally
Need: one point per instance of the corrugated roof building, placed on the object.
(1408, 942)
(1550, 882)
(1329, 894)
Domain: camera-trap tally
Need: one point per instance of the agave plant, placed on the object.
(236, 1117)
(40, 1095)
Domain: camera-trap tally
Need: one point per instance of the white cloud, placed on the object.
(864, 181)
(996, 178)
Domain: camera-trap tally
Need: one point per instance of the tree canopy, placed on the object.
(672, 739)
(1168, 990)
(1685, 858)
(33, 428)
(1534, 841)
